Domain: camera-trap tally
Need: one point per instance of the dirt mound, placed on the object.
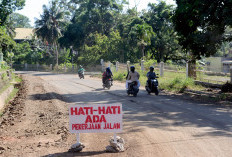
(36, 125)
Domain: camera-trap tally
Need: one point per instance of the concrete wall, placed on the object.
(215, 64)
(4, 96)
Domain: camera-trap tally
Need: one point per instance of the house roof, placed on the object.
(23, 33)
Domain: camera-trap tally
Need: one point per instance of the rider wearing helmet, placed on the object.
(132, 76)
(106, 75)
(151, 75)
(81, 69)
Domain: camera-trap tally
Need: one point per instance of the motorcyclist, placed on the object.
(81, 70)
(106, 75)
(133, 76)
(150, 76)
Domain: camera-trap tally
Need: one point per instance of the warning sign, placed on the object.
(95, 118)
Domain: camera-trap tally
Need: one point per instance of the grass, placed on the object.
(213, 79)
(171, 81)
(7, 85)
(12, 95)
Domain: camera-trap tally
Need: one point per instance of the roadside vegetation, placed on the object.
(6, 82)
(171, 81)
(70, 33)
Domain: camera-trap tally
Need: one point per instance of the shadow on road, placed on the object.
(68, 154)
(158, 112)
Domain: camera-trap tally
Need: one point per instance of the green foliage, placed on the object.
(7, 7)
(19, 20)
(164, 45)
(23, 53)
(149, 63)
(99, 30)
(4, 77)
(201, 25)
(104, 47)
(90, 17)
(121, 76)
(178, 84)
(143, 32)
(6, 42)
(49, 27)
(3, 66)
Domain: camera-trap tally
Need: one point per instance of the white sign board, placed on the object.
(95, 118)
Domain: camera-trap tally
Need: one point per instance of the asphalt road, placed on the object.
(161, 125)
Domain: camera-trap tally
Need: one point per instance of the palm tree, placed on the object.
(48, 28)
(144, 32)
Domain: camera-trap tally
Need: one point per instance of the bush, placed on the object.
(120, 76)
(3, 66)
(4, 76)
(149, 63)
(177, 84)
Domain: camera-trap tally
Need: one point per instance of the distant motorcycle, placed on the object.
(133, 88)
(108, 83)
(153, 86)
(81, 75)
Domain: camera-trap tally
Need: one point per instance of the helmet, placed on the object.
(151, 68)
(80, 66)
(132, 68)
(108, 69)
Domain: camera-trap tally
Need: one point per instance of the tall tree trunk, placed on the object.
(57, 56)
(143, 47)
(192, 68)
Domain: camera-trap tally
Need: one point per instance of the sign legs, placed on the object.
(115, 138)
(78, 138)
(78, 146)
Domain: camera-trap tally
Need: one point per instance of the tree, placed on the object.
(164, 45)
(125, 23)
(49, 27)
(200, 25)
(143, 33)
(20, 21)
(90, 17)
(6, 42)
(7, 7)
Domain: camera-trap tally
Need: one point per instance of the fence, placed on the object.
(51, 68)
(203, 73)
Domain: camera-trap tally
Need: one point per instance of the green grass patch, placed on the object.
(17, 79)
(12, 95)
(171, 81)
(7, 85)
(120, 76)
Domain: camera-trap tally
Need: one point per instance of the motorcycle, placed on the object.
(81, 75)
(154, 86)
(133, 88)
(108, 83)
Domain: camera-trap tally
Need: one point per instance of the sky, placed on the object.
(33, 8)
